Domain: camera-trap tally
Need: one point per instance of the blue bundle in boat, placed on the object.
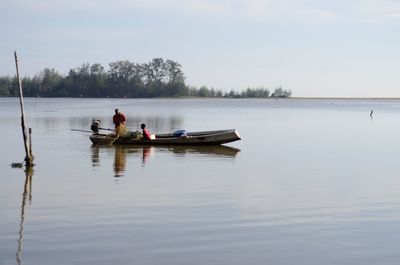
(180, 133)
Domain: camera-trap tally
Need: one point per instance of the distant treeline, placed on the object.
(158, 78)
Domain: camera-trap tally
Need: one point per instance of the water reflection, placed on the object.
(26, 197)
(211, 150)
(145, 152)
(95, 156)
(119, 162)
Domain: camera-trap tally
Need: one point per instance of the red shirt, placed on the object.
(119, 119)
(146, 134)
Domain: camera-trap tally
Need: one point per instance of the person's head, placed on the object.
(116, 111)
(142, 125)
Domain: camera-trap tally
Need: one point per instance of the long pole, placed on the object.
(28, 158)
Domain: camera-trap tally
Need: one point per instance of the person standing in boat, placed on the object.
(119, 118)
(146, 133)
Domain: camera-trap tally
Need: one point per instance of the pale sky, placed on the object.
(316, 48)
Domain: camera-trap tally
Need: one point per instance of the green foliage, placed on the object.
(157, 78)
(281, 93)
(5, 85)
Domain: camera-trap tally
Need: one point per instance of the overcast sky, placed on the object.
(336, 48)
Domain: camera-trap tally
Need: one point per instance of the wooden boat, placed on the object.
(191, 138)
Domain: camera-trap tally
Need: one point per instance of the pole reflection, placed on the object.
(26, 197)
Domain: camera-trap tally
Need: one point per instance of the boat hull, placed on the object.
(192, 138)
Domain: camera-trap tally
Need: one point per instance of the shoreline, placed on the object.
(268, 98)
(349, 98)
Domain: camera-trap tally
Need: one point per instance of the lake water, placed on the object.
(311, 182)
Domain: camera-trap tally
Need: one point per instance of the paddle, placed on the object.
(79, 130)
(106, 129)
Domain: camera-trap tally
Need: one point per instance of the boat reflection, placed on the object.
(211, 150)
(145, 152)
(26, 197)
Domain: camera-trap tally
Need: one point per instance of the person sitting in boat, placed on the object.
(119, 118)
(146, 133)
(95, 126)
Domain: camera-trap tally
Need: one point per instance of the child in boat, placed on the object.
(146, 133)
(95, 126)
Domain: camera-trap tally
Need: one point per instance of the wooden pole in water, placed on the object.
(28, 158)
(30, 143)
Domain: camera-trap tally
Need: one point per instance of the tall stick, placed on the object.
(28, 158)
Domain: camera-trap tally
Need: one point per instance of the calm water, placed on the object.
(312, 182)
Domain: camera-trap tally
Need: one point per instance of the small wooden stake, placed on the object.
(28, 158)
(30, 143)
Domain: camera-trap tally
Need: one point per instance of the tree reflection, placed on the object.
(26, 197)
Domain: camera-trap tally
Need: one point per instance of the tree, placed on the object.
(123, 77)
(175, 73)
(78, 81)
(5, 86)
(281, 93)
(97, 81)
(203, 92)
(47, 80)
(157, 78)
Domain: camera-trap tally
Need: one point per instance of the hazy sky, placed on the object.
(340, 48)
